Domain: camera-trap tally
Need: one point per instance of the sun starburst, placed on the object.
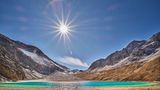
(61, 22)
(63, 28)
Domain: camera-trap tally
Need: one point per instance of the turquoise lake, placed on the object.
(112, 84)
(80, 84)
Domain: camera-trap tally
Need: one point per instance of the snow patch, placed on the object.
(36, 58)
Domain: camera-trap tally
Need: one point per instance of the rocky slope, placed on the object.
(20, 61)
(140, 60)
(135, 51)
(137, 71)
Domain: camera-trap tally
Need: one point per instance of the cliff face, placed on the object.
(20, 61)
(139, 61)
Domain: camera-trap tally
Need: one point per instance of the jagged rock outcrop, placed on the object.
(19, 61)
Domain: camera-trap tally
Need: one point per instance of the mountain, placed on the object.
(76, 71)
(61, 76)
(140, 60)
(19, 61)
(135, 51)
(137, 71)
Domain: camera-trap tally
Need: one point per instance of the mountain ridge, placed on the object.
(19, 61)
(134, 50)
(138, 61)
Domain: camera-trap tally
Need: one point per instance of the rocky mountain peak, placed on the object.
(155, 37)
(134, 44)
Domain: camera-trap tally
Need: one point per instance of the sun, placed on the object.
(64, 29)
(63, 25)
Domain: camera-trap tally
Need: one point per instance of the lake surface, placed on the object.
(115, 84)
(27, 84)
(75, 84)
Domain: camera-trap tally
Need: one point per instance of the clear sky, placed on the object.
(100, 26)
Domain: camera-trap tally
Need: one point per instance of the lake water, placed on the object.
(27, 84)
(68, 85)
(115, 84)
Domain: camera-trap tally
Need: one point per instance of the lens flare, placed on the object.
(63, 22)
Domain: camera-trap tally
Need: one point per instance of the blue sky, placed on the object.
(102, 26)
